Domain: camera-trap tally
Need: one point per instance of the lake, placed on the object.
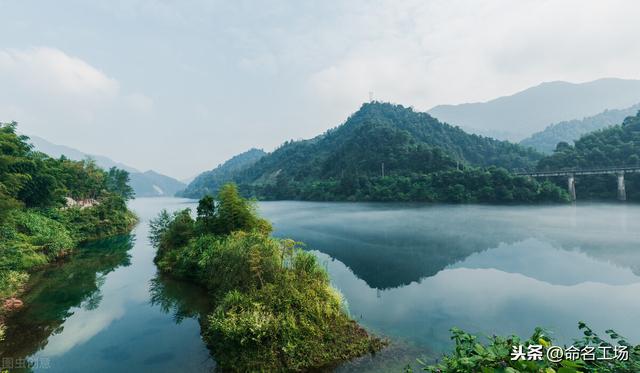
(408, 272)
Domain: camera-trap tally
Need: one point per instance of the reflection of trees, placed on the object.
(388, 256)
(58, 288)
(394, 249)
(180, 298)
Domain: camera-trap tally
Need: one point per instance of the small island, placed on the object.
(275, 307)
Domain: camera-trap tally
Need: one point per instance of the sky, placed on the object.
(181, 86)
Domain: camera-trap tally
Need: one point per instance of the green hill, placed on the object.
(616, 146)
(570, 131)
(386, 152)
(209, 182)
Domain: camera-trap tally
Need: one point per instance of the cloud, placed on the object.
(50, 71)
(279, 69)
(52, 94)
(428, 53)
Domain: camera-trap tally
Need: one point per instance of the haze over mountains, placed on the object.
(145, 184)
(551, 111)
(570, 131)
(519, 115)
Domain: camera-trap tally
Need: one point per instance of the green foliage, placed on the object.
(470, 185)
(11, 282)
(470, 355)
(35, 225)
(570, 131)
(276, 309)
(347, 162)
(617, 146)
(210, 182)
(117, 181)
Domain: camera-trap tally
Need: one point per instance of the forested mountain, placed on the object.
(389, 152)
(570, 131)
(145, 184)
(210, 181)
(616, 146)
(517, 116)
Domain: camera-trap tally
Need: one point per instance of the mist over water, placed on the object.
(411, 272)
(408, 272)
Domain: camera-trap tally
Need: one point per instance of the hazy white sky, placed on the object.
(180, 86)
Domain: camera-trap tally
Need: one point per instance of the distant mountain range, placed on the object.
(519, 115)
(210, 181)
(570, 131)
(145, 184)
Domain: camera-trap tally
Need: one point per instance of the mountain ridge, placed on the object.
(208, 182)
(516, 116)
(145, 184)
(569, 131)
(386, 152)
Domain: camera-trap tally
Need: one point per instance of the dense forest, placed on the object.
(209, 182)
(616, 146)
(48, 206)
(386, 152)
(275, 307)
(570, 131)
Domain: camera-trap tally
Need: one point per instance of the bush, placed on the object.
(276, 309)
(495, 356)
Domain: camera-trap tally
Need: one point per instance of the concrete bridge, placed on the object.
(571, 174)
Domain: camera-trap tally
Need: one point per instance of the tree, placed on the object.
(235, 213)
(117, 181)
(206, 214)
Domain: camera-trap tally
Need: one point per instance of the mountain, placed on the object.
(153, 184)
(570, 131)
(615, 146)
(517, 116)
(55, 151)
(386, 152)
(145, 184)
(210, 181)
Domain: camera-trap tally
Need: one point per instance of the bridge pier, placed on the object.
(622, 192)
(571, 184)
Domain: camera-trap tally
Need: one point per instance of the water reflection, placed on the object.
(413, 272)
(180, 299)
(94, 313)
(409, 272)
(59, 292)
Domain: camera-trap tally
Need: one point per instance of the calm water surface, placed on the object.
(408, 272)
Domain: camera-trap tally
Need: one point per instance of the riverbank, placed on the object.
(32, 240)
(40, 218)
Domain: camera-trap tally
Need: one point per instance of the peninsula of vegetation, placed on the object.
(275, 307)
(49, 206)
(386, 152)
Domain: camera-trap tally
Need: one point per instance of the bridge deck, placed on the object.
(577, 172)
